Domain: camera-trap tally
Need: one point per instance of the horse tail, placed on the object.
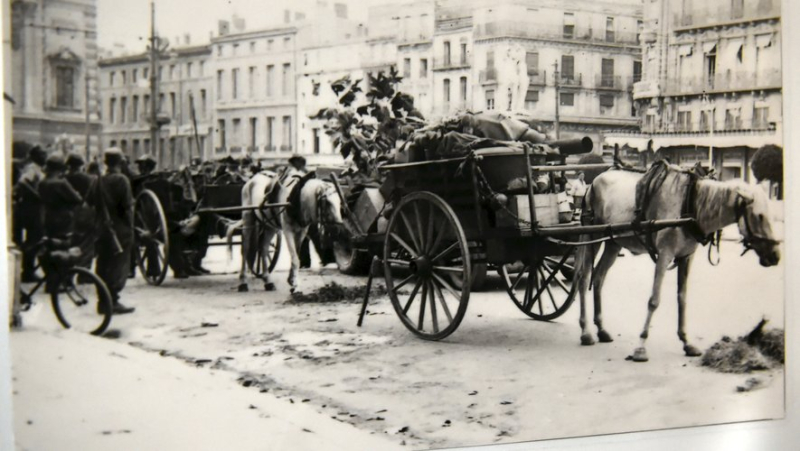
(584, 255)
(230, 229)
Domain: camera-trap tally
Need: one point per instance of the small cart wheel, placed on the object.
(152, 237)
(424, 249)
(541, 288)
(350, 260)
(274, 251)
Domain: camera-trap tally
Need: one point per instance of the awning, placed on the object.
(638, 142)
(763, 40)
(754, 141)
(685, 50)
(709, 47)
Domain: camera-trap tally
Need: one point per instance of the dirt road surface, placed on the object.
(500, 378)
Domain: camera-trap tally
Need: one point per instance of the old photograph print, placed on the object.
(375, 224)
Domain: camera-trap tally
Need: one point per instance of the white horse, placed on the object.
(258, 227)
(612, 199)
(316, 202)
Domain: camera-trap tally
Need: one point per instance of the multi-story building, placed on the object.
(581, 58)
(414, 39)
(54, 55)
(184, 103)
(452, 50)
(255, 96)
(711, 86)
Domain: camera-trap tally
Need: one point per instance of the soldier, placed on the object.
(83, 234)
(27, 211)
(114, 199)
(228, 172)
(59, 199)
(145, 164)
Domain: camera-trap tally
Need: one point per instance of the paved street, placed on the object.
(500, 378)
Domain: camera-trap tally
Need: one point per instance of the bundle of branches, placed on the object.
(367, 128)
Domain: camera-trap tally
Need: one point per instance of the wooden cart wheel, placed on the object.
(151, 237)
(423, 247)
(272, 257)
(540, 289)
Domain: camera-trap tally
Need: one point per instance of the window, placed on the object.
(423, 68)
(532, 62)
(147, 146)
(567, 99)
(446, 89)
(112, 107)
(464, 53)
(637, 71)
(684, 121)
(253, 132)
(446, 53)
(606, 101)
(202, 68)
(173, 105)
(235, 49)
(135, 106)
(134, 76)
(406, 67)
(639, 26)
(733, 119)
(234, 83)
(219, 50)
(761, 117)
(287, 133)
(124, 76)
(172, 73)
(123, 110)
(221, 131)
(160, 73)
(286, 43)
(490, 99)
(737, 9)
(270, 79)
(236, 132)
(567, 67)
(316, 141)
(220, 75)
(607, 73)
(253, 47)
(711, 67)
(137, 150)
(146, 106)
(146, 73)
(111, 78)
(569, 25)
(610, 29)
(65, 87)
(189, 70)
(251, 75)
(531, 99)
(270, 42)
(270, 133)
(463, 83)
(202, 102)
(704, 122)
(286, 88)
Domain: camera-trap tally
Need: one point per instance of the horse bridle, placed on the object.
(321, 196)
(751, 239)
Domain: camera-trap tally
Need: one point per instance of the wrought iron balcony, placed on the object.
(521, 29)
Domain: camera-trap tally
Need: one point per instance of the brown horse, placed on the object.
(612, 199)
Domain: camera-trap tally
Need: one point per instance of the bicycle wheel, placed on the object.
(82, 302)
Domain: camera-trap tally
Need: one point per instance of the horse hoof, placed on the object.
(243, 288)
(269, 286)
(640, 355)
(691, 351)
(587, 340)
(604, 337)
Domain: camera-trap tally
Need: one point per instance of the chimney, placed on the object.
(238, 23)
(224, 28)
(341, 10)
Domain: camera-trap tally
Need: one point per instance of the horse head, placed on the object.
(329, 204)
(752, 216)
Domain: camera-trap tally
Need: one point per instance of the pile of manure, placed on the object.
(759, 350)
(334, 292)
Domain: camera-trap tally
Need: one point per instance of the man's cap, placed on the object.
(75, 159)
(146, 158)
(55, 162)
(298, 158)
(113, 155)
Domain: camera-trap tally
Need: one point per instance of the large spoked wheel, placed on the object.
(425, 250)
(82, 302)
(152, 237)
(271, 260)
(541, 289)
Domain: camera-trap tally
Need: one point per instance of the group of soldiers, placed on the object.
(75, 206)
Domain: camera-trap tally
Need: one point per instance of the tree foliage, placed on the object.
(767, 164)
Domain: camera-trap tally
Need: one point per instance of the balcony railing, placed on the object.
(537, 78)
(751, 11)
(488, 75)
(731, 124)
(510, 28)
(728, 81)
(451, 63)
(574, 81)
(610, 82)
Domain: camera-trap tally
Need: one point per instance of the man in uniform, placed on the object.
(145, 164)
(84, 232)
(113, 194)
(27, 211)
(59, 199)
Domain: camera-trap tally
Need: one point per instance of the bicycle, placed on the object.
(80, 298)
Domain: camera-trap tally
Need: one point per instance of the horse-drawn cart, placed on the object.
(161, 207)
(447, 217)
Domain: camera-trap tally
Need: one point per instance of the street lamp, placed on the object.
(709, 107)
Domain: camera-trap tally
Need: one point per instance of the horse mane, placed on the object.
(711, 199)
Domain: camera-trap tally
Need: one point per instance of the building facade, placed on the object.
(185, 104)
(711, 86)
(54, 73)
(255, 95)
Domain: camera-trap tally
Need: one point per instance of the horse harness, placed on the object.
(752, 238)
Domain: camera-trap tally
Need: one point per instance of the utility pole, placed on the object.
(556, 124)
(88, 129)
(154, 127)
